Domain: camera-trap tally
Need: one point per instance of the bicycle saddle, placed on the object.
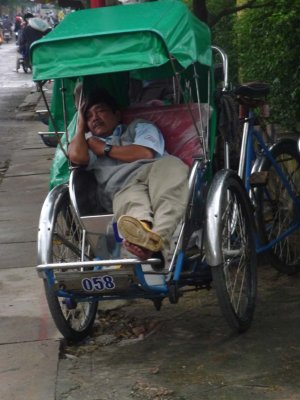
(253, 89)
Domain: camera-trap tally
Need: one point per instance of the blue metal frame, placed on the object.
(249, 159)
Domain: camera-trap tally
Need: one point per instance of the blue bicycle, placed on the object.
(271, 174)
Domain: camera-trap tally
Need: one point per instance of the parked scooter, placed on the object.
(6, 35)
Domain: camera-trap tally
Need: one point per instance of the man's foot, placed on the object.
(141, 253)
(138, 233)
(144, 254)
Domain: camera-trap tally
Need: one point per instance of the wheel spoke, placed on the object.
(234, 268)
(235, 277)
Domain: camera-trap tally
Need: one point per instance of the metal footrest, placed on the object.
(51, 139)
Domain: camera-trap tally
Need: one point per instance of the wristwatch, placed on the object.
(107, 149)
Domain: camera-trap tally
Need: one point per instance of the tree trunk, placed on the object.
(200, 10)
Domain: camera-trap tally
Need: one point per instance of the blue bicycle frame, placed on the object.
(248, 159)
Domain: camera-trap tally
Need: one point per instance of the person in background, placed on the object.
(18, 27)
(6, 24)
(60, 15)
(35, 28)
(1, 36)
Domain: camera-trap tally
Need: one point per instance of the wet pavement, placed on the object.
(28, 339)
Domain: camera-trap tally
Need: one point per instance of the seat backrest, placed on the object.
(83, 192)
(176, 124)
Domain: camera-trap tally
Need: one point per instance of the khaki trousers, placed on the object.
(158, 194)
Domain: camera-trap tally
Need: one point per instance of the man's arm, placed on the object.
(127, 153)
(78, 147)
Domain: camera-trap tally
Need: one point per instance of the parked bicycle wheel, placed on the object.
(235, 278)
(63, 243)
(276, 211)
(25, 67)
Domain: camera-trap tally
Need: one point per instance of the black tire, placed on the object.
(235, 280)
(25, 67)
(276, 211)
(74, 320)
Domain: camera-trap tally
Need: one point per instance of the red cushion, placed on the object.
(176, 125)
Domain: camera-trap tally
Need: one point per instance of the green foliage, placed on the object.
(224, 36)
(188, 3)
(263, 44)
(269, 48)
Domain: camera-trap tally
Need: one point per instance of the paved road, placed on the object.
(28, 339)
(9, 78)
(13, 88)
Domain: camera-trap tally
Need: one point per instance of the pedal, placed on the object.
(259, 178)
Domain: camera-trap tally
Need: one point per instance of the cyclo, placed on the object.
(78, 246)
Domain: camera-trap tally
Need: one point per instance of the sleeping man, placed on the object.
(145, 188)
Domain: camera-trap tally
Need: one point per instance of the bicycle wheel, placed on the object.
(276, 211)
(235, 279)
(73, 319)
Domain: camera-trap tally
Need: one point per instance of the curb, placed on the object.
(26, 110)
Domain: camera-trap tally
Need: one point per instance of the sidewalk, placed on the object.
(29, 341)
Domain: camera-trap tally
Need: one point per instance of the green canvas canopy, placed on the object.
(138, 37)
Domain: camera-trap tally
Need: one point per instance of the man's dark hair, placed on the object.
(100, 96)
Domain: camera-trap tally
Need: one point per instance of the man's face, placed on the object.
(101, 120)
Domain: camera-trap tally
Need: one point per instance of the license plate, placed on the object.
(98, 283)
(94, 282)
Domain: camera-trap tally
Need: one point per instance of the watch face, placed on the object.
(107, 149)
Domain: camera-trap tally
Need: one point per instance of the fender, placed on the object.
(258, 165)
(213, 234)
(46, 222)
